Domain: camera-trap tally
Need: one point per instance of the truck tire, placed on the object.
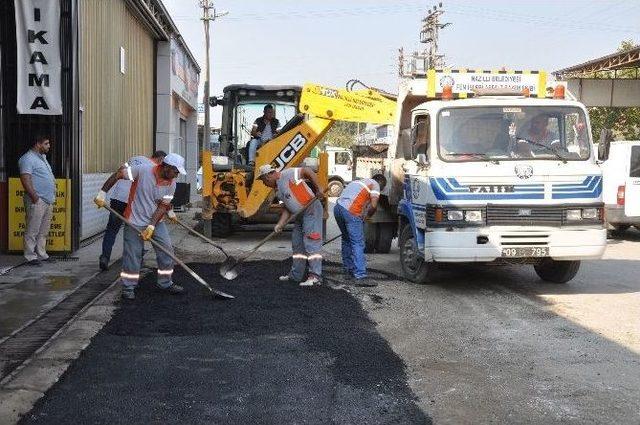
(370, 237)
(619, 229)
(557, 271)
(221, 225)
(414, 267)
(385, 237)
(335, 188)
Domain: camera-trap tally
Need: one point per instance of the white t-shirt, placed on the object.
(120, 191)
(267, 134)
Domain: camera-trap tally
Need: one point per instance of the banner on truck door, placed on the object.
(465, 82)
(38, 57)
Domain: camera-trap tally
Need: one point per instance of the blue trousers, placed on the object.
(113, 227)
(132, 256)
(352, 228)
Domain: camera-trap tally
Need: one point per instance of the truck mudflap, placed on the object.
(405, 211)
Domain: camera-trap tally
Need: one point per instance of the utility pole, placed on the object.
(209, 14)
(429, 35)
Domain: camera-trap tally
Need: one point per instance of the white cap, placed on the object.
(177, 161)
(265, 169)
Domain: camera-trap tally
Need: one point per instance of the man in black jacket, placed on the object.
(264, 129)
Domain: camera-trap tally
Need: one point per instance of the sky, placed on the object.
(331, 41)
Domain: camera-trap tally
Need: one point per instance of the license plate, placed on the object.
(527, 251)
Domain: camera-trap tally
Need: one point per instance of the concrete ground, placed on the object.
(482, 345)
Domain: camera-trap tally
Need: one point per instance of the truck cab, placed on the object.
(340, 166)
(495, 178)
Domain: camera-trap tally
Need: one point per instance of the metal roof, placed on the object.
(612, 62)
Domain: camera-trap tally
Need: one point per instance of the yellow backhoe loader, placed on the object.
(231, 193)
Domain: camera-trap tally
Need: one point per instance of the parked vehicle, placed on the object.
(340, 166)
(485, 168)
(621, 179)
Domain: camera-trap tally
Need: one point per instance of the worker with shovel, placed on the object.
(358, 201)
(149, 201)
(306, 240)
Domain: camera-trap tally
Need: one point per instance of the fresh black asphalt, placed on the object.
(277, 354)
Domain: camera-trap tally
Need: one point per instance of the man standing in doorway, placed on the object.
(306, 239)
(150, 200)
(118, 202)
(39, 197)
(359, 200)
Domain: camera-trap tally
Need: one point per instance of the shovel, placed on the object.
(201, 236)
(228, 267)
(161, 247)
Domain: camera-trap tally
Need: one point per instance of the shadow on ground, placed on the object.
(276, 354)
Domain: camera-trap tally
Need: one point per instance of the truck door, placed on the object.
(632, 184)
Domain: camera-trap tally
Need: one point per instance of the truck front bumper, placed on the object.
(486, 244)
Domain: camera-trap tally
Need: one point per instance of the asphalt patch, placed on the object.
(278, 353)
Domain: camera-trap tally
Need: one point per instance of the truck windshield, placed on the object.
(512, 133)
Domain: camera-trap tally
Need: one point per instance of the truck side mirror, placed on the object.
(606, 137)
(405, 142)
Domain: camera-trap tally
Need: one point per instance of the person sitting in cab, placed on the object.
(264, 129)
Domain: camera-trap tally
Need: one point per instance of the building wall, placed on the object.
(176, 100)
(117, 108)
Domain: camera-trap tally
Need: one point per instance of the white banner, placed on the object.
(38, 54)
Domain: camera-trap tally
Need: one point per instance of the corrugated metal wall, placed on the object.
(118, 108)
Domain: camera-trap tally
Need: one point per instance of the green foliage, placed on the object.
(342, 134)
(625, 122)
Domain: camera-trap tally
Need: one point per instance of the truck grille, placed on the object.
(518, 215)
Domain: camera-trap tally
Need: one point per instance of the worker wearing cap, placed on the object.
(118, 199)
(297, 187)
(149, 201)
(359, 200)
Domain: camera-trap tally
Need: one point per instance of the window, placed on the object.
(421, 129)
(343, 158)
(634, 165)
(512, 133)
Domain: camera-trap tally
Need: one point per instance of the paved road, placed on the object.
(483, 345)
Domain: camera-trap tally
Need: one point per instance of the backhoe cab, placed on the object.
(230, 190)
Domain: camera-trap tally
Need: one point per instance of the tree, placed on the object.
(342, 134)
(625, 122)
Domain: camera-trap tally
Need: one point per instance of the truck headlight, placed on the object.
(574, 215)
(473, 215)
(454, 215)
(590, 213)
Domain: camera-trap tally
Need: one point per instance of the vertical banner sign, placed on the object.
(59, 238)
(38, 57)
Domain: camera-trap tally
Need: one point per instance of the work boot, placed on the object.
(284, 278)
(128, 294)
(311, 281)
(365, 282)
(104, 263)
(36, 262)
(174, 289)
(49, 260)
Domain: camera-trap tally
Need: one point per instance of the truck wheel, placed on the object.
(557, 271)
(385, 237)
(619, 229)
(335, 188)
(221, 225)
(370, 237)
(414, 267)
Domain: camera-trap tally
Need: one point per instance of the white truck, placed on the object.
(621, 177)
(485, 168)
(340, 163)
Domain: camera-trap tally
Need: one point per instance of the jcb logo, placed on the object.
(289, 152)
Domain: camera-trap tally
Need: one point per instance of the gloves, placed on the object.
(171, 215)
(101, 199)
(278, 228)
(147, 233)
